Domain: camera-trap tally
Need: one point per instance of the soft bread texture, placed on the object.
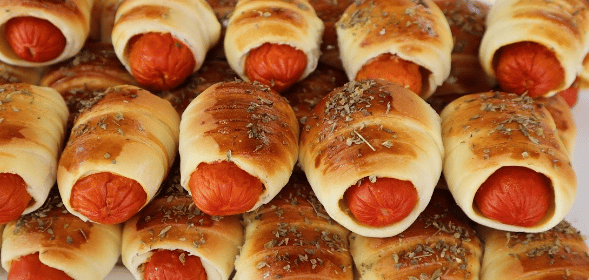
(245, 123)
(562, 26)
(484, 132)
(83, 250)
(172, 222)
(583, 79)
(416, 32)
(32, 131)
(563, 119)
(559, 253)
(467, 23)
(255, 22)
(292, 237)
(94, 69)
(71, 17)
(371, 128)
(136, 17)
(125, 131)
(437, 245)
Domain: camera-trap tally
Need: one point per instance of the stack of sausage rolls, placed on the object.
(298, 139)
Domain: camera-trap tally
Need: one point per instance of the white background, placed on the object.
(579, 215)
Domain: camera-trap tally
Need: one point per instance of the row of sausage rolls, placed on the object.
(32, 132)
(292, 237)
(350, 133)
(39, 33)
(238, 147)
(535, 47)
(405, 42)
(519, 174)
(52, 244)
(172, 239)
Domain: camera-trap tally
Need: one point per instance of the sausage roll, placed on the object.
(32, 131)
(563, 119)
(103, 19)
(345, 141)
(171, 236)
(54, 242)
(292, 237)
(39, 33)
(119, 152)
(558, 253)
(467, 23)
(152, 40)
(414, 35)
(438, 245)
(238, 147)
(306, 94)
(273, 42)
(10, 74)
(505, 164)
(535, 46)
(94, 69)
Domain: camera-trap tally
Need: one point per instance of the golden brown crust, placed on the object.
(246, 123)
(484, 132)
(83, 250)
(357, 127)
(437, 244)
(563, 119)
(559, 253)
(330, 11)
(292, 237)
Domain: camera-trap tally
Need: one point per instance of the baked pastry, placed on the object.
(292, 237)
(152, 41)
(171, 236)
(273, 42)
(406, 42)
(347, 139)
(40, 33)
(15, 74)
(103, 19)
(119, 152)
(535, 47)
(304, 95)
(563, 119)
(505, 164)
(238, 147)
(51, 243)
(94, 69)
(467, 23)
(438, 246)
(558, 253)
(32, 131)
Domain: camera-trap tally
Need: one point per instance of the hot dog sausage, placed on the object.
(34, 39)
(174, 265)
(277, 66)
(107, 198)
(159, 61)
(14, 197)
(393, 69)
(571, 95)
(515, 195)
(29, 267)
(381, 203)
(528, 67)
(222, 188)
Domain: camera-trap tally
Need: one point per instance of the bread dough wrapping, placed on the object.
(172, 222)
(416, 32)
(191, 21)
(329, 12)
(564, 120)
(245, 123)
(292, 237)
(559, 253)
(126, 131)
(32, 131)
(10, 74)
(562, 26)
(487, 131)
(83, 250)
(437, 244)
(365, 129)
(255, 22)
(71, 17)
(103, 20)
